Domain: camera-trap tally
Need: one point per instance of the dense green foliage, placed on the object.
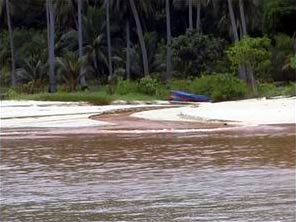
(270, 90)
(265, 51)
(220, 87)
(293, 62)
(93, 97)
(68, 70)
(194, 53)
(279, 16)
(252, 52)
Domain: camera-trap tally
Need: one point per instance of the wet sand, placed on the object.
(124, 121)
(91, 120)
(119, 121)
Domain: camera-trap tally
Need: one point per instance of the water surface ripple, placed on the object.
(156, 177)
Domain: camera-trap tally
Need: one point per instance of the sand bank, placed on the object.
(33, 114)
(244, 112)
(36, 114)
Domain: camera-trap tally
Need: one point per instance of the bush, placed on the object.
(270, 90)
(293, 62)
(220, 87)
(289, 90)
(195, 53)
(149, 86)
(282, 58)
(5, 76)
(253, 53)
(266, 89)
(180, 85)
(12, 94)
(125, 87)
(69, 69)
(93, 98)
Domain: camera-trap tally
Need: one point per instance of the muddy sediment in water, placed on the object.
(118, 121)
(124, 121)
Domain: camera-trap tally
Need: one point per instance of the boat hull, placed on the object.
(188, 97)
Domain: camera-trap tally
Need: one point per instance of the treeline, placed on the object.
(74, 44)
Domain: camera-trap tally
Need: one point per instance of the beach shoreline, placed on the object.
(81, 116)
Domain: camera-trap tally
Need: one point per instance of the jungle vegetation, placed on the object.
(226, 49)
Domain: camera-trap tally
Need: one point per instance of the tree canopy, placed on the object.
(136, 38)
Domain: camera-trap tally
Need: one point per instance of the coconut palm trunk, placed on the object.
(232, 20)
(247, 69)
(198, 6)
(47, 23)
(243, 19)
(190, 15)
(51, 55)
(109, 38)
(241, 69)
(169, 39)
(80, 42)
(13, 73)
(140, 36)
(128, 62)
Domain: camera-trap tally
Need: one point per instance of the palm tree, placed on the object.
(169, 40)
(242, 16)
(69, 69)
(123, 11)
(51, 55)
(1, 7)
(249, 73)
(182, 4)
(108, 38)
(33, 70)
(140, 36)
(241, 69)
(190, 15)
(245, 73)
(66, 13)
(80, 41)
(13, 73)
(94, 23)
(198, 7)
(128, 48)
(232, 20)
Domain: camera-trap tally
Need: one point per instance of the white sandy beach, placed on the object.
(244, 112)
(31, 114)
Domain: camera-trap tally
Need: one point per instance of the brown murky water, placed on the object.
(202, 176)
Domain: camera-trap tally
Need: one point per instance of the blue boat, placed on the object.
(188, 97)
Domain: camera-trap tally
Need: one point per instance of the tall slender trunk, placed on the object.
(80, 40)
(140, 36)
(169, 36)
(241, 69)
(247, 69)
(51, 55)
(198, 6)
(13, 73)
(109, 39)
(232, 20)
(128, 62)
(242, 15)
(95, 61)
(251, 79)
(294, 42)
(190, 15)
(47, 24)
